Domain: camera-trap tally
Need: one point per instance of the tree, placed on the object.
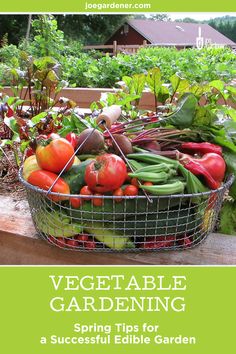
(28, 28)
(89, 29)
(226, 27)
(187, 19)
(154, 17)
(13, 25)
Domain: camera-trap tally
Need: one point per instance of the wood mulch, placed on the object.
(9, 182)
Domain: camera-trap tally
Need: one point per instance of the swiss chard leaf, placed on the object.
(217, 84)
(163, 94)
(185, 112)
(179, 84)
(135, 84)
(154, 80)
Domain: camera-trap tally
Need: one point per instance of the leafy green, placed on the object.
(183, 116)
(36, 119)
(226, 136)
(203, 116)
(74, 123)
(228, 218)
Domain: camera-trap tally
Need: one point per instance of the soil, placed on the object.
(9, 182)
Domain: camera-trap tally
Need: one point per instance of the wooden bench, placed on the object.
(19, 245)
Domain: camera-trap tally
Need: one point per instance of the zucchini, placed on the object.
(75, 176)
(109, 237)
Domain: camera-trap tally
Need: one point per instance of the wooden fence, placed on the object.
(114, 49)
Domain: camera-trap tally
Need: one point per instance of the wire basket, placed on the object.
(173, 222)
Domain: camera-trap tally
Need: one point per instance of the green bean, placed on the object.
(153, 158)
(165, 189)
(155, 168)
(136, 165)
(150, 176)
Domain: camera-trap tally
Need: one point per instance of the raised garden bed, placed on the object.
(84, 96)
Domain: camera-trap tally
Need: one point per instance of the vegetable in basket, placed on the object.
(73, 139)
(30, 165)
(172, 186)
(56, 224)
(109, 237)
(176, 187)
(106, 173)
(45, 179)
(210, 166)
(139, 217)
(201, 148)
(53, 154)
(91, 141)
(75, 176)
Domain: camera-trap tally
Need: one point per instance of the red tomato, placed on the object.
(61, 241)
(44, 180)
(106, 173)
(118, 193)
(148, 245)
(134, 182)
(71, 242)
(147, 184)
(90, 245)
(158, 242)
(82, 237)
(73, 139)
(131, 190)
(212, 201)
(52, 155)
(98, 201)
(86, 191)
(187, 242)
(76, 202)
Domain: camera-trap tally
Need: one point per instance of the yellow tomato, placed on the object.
(30, 165)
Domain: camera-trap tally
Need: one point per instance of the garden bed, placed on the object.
(85, 96)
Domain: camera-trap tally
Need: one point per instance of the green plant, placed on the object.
(94, 69)
(8, 53)
(48, 41)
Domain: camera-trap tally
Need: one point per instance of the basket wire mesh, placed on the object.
(173, 222)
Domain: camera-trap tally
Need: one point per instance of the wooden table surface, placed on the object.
(19, 245)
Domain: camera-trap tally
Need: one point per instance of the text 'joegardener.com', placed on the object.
(112, 6)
